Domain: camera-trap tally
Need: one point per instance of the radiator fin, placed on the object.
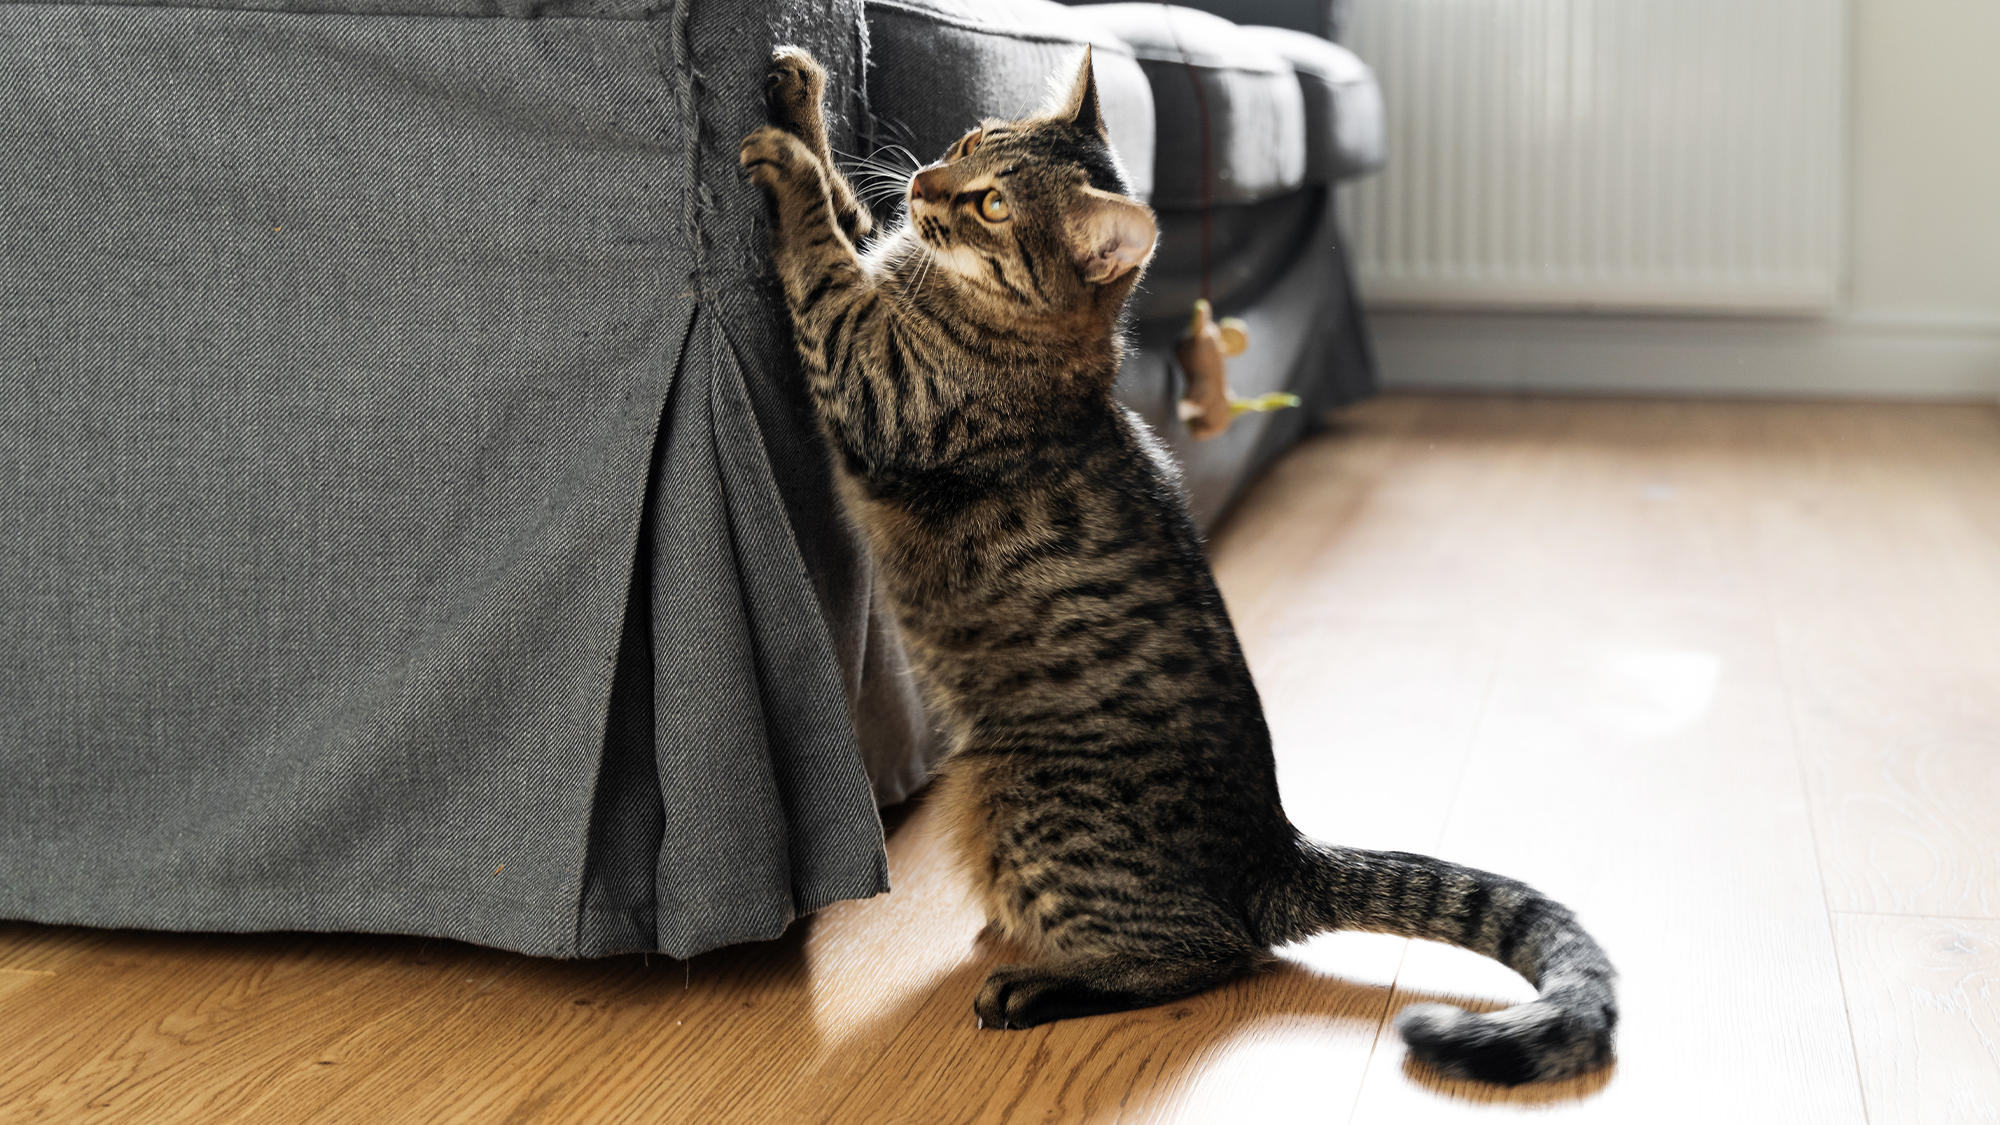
(1649, 154)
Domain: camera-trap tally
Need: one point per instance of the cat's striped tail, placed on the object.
(1564, 1031)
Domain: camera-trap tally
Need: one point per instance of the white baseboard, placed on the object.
(1837, 357)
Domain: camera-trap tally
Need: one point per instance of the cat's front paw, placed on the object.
(772, 156)
(795, 89)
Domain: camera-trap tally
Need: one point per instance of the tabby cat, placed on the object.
(1111, 785)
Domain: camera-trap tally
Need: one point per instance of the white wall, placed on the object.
(1921, 314)
(1925, 184)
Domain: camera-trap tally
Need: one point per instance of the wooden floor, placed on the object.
(1724, 677)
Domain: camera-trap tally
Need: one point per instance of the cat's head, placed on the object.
(1034, 212)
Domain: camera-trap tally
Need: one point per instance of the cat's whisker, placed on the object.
(878, 184)
(857, 169)
(915, 162)
(923, 270)
(875, 162)
(875, 165)
(875, 155)
(877, 176)
(881, 177)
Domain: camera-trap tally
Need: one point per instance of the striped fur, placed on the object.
(1111, 790)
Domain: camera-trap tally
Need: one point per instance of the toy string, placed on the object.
(1201, 112)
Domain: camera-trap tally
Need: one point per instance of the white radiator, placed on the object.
(1650, 154)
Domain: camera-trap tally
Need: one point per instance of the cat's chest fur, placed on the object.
(1045, 582)
(1068, 635)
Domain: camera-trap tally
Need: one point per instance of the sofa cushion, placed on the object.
(1249, 246)
(936, 67)
(1256, 114)
(1344, 128)
(1320, 17)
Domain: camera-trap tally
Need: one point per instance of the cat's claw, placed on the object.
(795, 92)
(794, 87)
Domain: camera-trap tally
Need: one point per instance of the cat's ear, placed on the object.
(1110, 234)
(1080, 106)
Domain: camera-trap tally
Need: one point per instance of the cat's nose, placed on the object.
(928, 185)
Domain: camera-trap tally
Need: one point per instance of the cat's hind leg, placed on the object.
(1090, 984)
(795, 91)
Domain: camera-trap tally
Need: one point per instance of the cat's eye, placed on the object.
(966, 146)
(994, 207)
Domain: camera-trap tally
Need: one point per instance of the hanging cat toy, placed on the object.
(1207, 406)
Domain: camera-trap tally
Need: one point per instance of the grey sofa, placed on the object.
(1290, 115)
(414, 524)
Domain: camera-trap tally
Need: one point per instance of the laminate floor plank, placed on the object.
(1143, 1066)
(1698, 669)
(26, 946)
(1926, 1000)
(192, 1027)
(1633, 753)
(1880, 533)
(20, 980)
(1351, 576)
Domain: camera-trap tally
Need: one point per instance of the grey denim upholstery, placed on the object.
(1323, 18)
(1255, 112)
(1345, 128)
(412, 522)
(1001, 58)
